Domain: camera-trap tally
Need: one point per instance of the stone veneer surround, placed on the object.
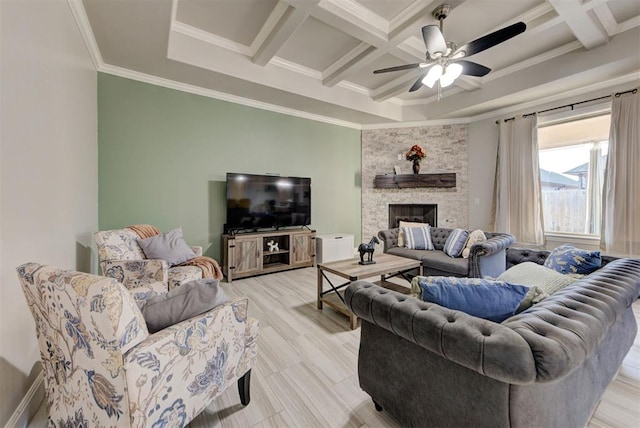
(446, 148)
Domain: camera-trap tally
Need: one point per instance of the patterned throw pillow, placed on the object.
(455, 242)
(568, 259)
(401, 224)
(418, 238)
(482, 298)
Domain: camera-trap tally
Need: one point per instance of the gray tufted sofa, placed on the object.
(486, 258)
(548, 366)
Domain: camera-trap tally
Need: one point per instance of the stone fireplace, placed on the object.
(421, 213)
(384, 149)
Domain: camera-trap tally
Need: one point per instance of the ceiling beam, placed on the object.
(396, 86)
(401, 32)
(586, 29)
(277, 29)
(604, 15)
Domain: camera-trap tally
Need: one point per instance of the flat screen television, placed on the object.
(267, 201)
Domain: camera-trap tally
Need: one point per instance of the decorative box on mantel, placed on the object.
(404, 181)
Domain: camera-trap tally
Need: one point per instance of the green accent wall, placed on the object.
(163, 157)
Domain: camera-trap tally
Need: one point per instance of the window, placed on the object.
(572, 161)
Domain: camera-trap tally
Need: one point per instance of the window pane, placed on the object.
(569, 206)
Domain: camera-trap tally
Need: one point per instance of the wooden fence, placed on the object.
(565, 210)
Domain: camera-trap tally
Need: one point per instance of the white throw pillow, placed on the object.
(532, 274)
(474, 237)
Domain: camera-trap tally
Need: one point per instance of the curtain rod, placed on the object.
(617, 94)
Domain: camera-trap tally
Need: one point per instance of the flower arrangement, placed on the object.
(416, 153)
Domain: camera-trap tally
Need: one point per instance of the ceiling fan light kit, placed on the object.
(444, 60)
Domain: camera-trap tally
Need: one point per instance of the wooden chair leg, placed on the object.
(243, 388)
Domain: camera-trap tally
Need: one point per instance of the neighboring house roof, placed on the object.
(583, 169)
(553, 179)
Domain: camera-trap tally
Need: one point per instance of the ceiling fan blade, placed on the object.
(490, 40)
(397, 68)
(433, 39)
(473, 68)
(418, 84)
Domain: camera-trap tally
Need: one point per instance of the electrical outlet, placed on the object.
(399, 156)
(476, 201)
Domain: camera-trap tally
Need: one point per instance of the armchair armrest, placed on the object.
(488, 258)
(197, 358)
(486, 347)
(389, 238)
(136, 273)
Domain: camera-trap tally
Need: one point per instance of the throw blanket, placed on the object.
(209, 267)
(144, 230)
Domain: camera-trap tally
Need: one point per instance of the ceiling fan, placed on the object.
(444, 60)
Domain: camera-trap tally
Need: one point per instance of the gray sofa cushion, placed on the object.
(405, 252)
(438, 260)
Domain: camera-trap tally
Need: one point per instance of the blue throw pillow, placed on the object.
(454, 245)
(418, 238)
(568, 259)
(492, 300)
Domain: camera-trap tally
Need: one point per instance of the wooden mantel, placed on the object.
(404, 181)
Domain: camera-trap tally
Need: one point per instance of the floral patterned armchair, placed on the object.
(103, 368)
(122, 258)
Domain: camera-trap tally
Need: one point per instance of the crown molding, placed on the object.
(418, 123)
(82, 21)
(209, 93)
(627, 78)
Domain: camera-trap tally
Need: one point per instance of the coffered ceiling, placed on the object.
(316, 57)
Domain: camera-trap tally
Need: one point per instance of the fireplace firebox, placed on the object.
(422, 213)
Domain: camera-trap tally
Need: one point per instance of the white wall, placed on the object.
(48, 168)
(482, 152)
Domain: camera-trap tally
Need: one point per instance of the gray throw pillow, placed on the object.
(168, 246)
(183, 302)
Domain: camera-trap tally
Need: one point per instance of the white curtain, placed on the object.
(620, 231)
(595, 177)
(518, 197)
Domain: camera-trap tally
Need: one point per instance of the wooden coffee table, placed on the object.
(386, 266)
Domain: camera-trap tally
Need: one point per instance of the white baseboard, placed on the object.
(29, 405)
